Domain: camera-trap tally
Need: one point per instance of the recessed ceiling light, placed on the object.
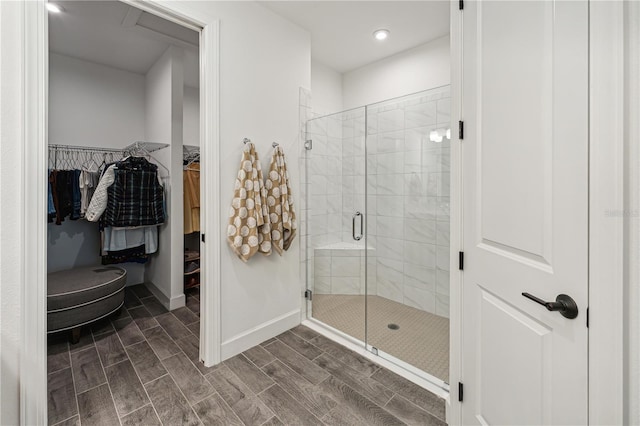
(52, 7)
(381, 34)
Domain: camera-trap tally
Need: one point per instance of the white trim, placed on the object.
(33, 365)
(606, 207)
(454, 408)
(259, 334)
(172, 303)
(33, 372)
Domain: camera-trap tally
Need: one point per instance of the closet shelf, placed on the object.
(145, 146)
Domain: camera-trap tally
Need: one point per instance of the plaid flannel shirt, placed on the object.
(135, 198)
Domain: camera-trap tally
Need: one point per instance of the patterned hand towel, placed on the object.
(280, 203)
(249, 230)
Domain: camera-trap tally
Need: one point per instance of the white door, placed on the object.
(525, 185)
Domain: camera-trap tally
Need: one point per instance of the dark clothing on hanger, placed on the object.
(135, 198)
(62, 194)
(135, 254)
(76, 197)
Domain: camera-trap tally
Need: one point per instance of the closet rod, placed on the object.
(83, 148)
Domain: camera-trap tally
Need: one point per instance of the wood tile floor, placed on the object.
(140, 368)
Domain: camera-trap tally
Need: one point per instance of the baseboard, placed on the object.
(259, 334)
(171, 304)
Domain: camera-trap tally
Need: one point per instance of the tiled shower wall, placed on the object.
(407, 212)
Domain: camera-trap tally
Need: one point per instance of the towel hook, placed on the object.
(246, 141)
(275, 144)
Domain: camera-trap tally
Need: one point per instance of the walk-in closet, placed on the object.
(123, 240)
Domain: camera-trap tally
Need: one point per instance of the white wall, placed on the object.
(94, 105)
(326, 89)
(90, 105)
(421, 68)
(191, 121)
(163, 124)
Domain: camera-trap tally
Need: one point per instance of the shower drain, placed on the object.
(393, 326)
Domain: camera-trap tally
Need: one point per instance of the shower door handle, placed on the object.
(353, 226)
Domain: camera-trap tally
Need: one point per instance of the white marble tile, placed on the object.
(390, 248)
(390, 205)
(390, 279)
(353, 253)
(348, 148)
(420, 254)
(358, 126)
(359, 146)
(434, 184)
(442, 306)
(318, 185)
(334, 185)
(348, 128)
(442, 209)
(334, 224)
(318, 205)
(359, 165)
(443, 108)
(345, 285)
(390, 184)
(334, 204)
(318, 225)
(392, 162)
(371, 224)
(319, 252)
(318, 165)
(334, 165)
(372, 164)
(304, 97)
(322, 285)
(334, 146)
(420, 230)
(420, 277)
(334, 127)
(389, 121)
(359, 184)
(372, 123)
(417, 139)
(444, 161)
(390, 142)
(345, 266)
(317, 127)
(442, 258)
(442, 234)
(322, 267)
(444, 185)
(348, 204)
(348, 166)
(420, 207)
(420, 115)
(416, 184)
(372, 182)
(420, 299)
(389, 226)
(443, 285)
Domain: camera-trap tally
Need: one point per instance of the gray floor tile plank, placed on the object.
(344, 355)
(140, 290)
(58, 356)
(251, 375)
(87, 370)
(214, 411)
(185, 315)
(145, 362)
(242, 401)
(313, 398)
(297, 362)
(286, 408)
(73, 421)
(86, 341)
(154, 307)
(300, 345)
(160, 342)
(96, 407)
(130, 299)
(273, 421)
(410, 414)
(268, 342)
(259, 356)
(195, 328)
(101, 326)
(368, 387)
(128, 331)
(190, 345)
(119, 314)
(143, 416)
(192, 384)
(414, 393)
(61, 402)
(143, 318)
(128, 393)
(305, 332)
(343, 416)
(194, 305)
(361, 406)
(109, 348)
(174, 327)
(169, 402)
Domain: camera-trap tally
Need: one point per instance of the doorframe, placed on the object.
(606, 213)
(34, 139)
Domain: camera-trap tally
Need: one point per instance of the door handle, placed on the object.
(563, 304)
(353, 226)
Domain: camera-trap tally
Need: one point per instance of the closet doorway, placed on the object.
(123, 242)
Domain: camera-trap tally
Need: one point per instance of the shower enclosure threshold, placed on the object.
(409, 372)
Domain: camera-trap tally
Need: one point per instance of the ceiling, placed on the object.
(115, 34)
(341, 31)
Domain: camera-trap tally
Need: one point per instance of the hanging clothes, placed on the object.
(98, 203)
(88, 183)
(191, 198)
(51, 209)
(249, 229)
(117, 239)
(280, 203)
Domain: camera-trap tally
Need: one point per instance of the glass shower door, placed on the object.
(336, 221)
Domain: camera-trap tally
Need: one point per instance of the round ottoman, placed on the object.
(76, 297)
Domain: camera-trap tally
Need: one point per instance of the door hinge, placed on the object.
(587, 317)
(461, 261)
(460, 391)
(461, 4)
(202, 237)
(308, 294)
(308, 144)
(460, 130)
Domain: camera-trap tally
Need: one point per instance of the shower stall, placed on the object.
(376, 182)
